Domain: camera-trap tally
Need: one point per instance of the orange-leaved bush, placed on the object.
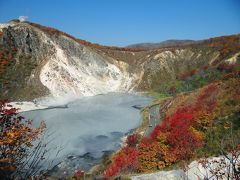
(16, 140)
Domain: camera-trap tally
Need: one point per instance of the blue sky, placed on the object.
(123, 22)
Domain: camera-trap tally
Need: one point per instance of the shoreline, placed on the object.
(23, 106)
(50, 102)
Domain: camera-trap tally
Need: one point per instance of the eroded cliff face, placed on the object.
(166, 65)
(63, 66)
(58, 65)
(77, 70)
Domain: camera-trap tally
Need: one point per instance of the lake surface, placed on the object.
(91, 124)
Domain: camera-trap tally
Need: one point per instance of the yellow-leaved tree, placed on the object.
(21, 149)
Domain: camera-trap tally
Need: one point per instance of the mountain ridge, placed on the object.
(38, 61)
(166, 43)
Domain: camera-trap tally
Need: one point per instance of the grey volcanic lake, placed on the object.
(91, 124)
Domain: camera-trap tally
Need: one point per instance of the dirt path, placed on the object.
(154, 119)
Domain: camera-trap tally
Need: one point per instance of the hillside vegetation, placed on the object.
(203, 111)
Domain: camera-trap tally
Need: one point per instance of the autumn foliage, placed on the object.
(133, 140)
(192, 126)
(16, 139)
(226, 45)
(78, 174)
(181, 135)
(173, 140)
(178, 136)
(124, 160)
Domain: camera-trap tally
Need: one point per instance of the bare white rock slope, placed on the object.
(85, 75)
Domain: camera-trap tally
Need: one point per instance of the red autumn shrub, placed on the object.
(226, 67)
(235, 74)
(132, 140)
(207, 98)
(185, 75)
(160, 128)
(181, 137)
(111, 171)
(204, 68)
(78, 174)
(124, 160)
(166, 124)
(178, 129)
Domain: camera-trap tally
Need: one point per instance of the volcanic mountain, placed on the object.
(37, 61)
